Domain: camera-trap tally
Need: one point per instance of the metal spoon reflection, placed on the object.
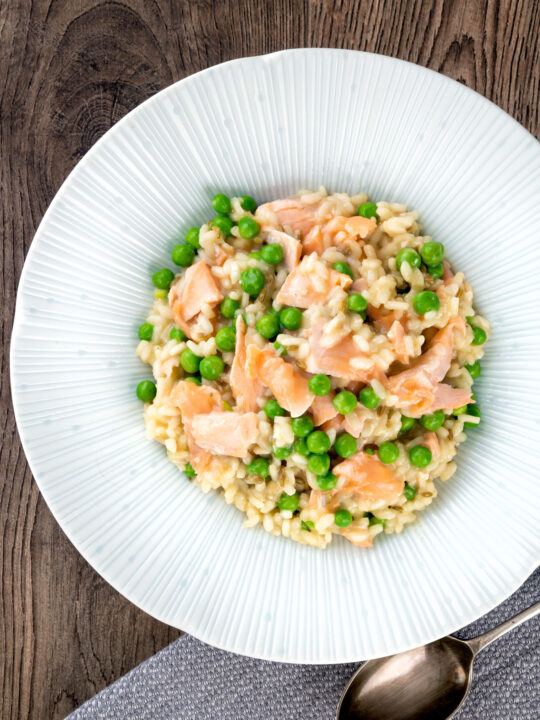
(427, 683)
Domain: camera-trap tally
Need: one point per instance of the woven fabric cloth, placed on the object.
(192, 681)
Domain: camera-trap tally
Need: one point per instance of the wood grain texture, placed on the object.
(69, 69)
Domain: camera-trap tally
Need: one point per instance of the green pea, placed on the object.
(221, 204)
(146, 331)
(432, 252)
(146, 391)
(368, 397)
(289, 502)
(279, 348)
(307, 525)
(290, 318)
(256, 255)
(177, 334)
(474, 369)
(228, 307)
(327, 482)
(426, 301)
(318, 464)
(192, 237)
(342, 518)
(377, 521)
(388, 452)
(357, 303)
(319, 385)
(189, 361)
(259, 466)
(224, 224)
(460, 410)
(345, 445)
(368, 210)
(345, 402)
(195, 379)
(436, 271)
(273, 409)
(473, 410)
(247, 203)
(183, 255)
(211, 367)
(252, 281)
(343, 267)
(272, 254)
(410, 256)
(434, 421)
(479, 336)
(406, 423)
(300, 447)
(409, 491)
(226, 339)
(282, 452)
(162, 279)
(318, 442)
(420, 456)
(267, 326)
(302, 426)
(369, 451)
(248, 227)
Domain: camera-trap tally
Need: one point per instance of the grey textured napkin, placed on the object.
(192, 681)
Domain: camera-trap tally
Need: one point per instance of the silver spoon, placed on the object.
(427, 683)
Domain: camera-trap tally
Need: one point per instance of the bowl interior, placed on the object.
(269, 126)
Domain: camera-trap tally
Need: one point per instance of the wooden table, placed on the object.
(69, 69)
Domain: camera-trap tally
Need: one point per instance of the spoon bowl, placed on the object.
(428, 683)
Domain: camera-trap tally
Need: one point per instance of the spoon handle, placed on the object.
(479, 643)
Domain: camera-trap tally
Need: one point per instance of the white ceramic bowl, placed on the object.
(269, 126)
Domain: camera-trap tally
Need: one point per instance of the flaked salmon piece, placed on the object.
(225, 433)
(195, 400)
(366, 477)
(336, 231)
(292, 248)
(358, 536)
(417, 387)
(431, 441)
(288, 386)
(339, 360)
(435, 362)
(334, 424)
(322, 409)
(190, 292)
(310, 284)
(294, 216)
(383, 321)
(246, 390)
(397, 335)
(446, 397)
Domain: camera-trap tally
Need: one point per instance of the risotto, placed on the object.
(313, 360)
